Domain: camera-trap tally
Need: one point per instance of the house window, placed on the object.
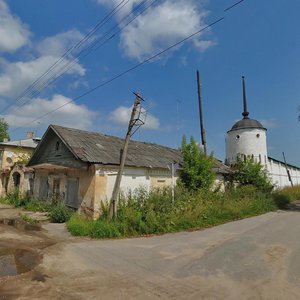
(57, 145)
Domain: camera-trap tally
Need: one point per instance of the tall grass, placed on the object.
(56, 210)
(286, 195)
(145, 213)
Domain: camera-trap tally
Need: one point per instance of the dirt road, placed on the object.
(256, 258)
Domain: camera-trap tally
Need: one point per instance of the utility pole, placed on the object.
(202, 130)
(133, 121)
(287, 170)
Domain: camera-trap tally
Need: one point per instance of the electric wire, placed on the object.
(99, 25)
(71, 63)
(130, 69)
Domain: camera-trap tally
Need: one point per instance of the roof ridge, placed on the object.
(111, 136)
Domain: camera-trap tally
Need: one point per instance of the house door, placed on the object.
(72, 192)
(43, 190)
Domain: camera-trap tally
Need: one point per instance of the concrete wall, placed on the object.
(278, 173)
(246, 142)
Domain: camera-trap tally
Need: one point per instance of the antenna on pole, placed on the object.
(202, 130)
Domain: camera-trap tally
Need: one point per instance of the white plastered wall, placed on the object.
(250, 141)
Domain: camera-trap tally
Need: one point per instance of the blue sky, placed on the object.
(258, 39)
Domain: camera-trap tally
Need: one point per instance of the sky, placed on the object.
(53, 52)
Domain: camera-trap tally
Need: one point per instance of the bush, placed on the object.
(79, 225)
(60, 213)
(197, 170)
(249, 172)
(15, 199)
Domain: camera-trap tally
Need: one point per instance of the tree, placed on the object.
(197, 171)
(250, 172)
(3, 130)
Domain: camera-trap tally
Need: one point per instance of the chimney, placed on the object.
(30, 135)
(5, 140)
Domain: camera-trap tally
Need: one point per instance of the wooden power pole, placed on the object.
(287, 170)
(116, 190)
(202, 130)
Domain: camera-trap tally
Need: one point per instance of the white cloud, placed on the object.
(58, 44)
(13, 33)
(163, 25)
(71, 115)
(17, 76)
(122, 114)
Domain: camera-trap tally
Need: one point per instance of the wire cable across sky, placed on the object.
(136, 66)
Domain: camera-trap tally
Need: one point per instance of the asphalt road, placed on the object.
(256, 258)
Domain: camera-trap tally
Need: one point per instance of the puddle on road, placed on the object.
(20, 224)
(16, 261)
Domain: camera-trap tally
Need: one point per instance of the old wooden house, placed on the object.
(80, 167)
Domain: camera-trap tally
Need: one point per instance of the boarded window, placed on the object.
(72, 192)
(43, 190)
(56, 188)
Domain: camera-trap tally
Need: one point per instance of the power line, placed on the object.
(101, 23)
(130, 69)
(90, 48)
(71, 63)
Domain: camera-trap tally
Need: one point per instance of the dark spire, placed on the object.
(245, 112)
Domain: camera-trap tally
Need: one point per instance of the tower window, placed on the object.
(258, 135)
(237, 137)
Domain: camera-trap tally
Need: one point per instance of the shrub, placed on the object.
(60, 213)
(197, 170)
(79, 225)
(250, 172)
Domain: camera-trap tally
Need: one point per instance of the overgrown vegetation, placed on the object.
(250, 172)
(285, 196)
(197, 169)
(155, 212)
(56, 210)
(3, 130)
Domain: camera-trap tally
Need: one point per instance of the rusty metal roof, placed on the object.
(99, 148)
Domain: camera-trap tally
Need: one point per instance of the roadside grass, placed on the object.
(56, 210)
(287, 195)
(145, 213)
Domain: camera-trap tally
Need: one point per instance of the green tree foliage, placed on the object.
(250, 172)
(197, 171)
(3, 130)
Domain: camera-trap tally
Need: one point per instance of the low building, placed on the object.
(80, 167)
(14, 155)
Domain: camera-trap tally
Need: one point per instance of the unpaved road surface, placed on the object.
(256, 258)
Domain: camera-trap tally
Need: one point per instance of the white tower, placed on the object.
(247, 137)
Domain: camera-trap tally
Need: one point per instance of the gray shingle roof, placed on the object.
(27, 143)
(94, 147)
